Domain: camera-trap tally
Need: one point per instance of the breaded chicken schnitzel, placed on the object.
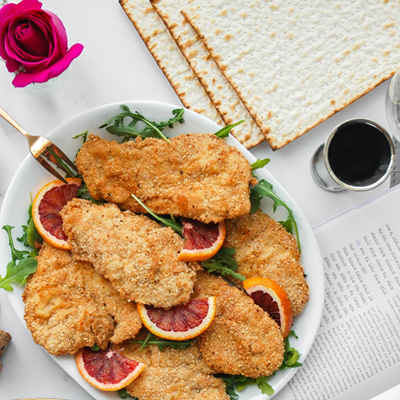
(173, 374)
(264, 248)
(137, 255)
(196, 176)
(68, 305)
(242, 339)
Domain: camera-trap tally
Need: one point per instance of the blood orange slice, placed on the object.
(202, 240)
(46, 210)
(180, 322)
(267, 294)
(107, 369)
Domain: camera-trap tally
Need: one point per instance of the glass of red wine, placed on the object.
(358, 155)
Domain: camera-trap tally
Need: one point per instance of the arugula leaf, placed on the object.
(95, 347)
(162, 343)
(83, 193)
(264, 386)
(260, 163)
(123, 394)
(223, 264)
(15, 254)
(261, 382)
(265, 189)
(230, 383)
(21, 265)
(17, 273)
(31, 236)
(224, 132)
(59, 161)
(172, 223)
(116, 126)
(291, 355)
(83, 136)
(236, 383)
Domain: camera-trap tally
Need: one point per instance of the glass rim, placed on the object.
(389, 168)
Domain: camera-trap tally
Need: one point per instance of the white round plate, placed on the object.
(30, 177)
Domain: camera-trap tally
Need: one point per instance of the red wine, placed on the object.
(359, 153)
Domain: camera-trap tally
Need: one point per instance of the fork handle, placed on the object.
(13, 123)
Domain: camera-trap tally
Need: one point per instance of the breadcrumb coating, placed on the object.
(137, 255)
(242, 339)
(173, 374)
(68, 305)
(196, 176)
(264, 248)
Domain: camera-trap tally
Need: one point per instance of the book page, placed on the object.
(356, 354)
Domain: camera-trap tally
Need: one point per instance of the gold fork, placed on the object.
(42, 148)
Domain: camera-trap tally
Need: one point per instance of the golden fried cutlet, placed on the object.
(195, 176)
(264, 248)
(242, 339)
(68, 305)
(173, 374)
(137, 255)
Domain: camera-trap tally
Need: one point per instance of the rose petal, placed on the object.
(23, 79)
(57, 42)
(58, 29)
(12, 65)
(31, 39)
(11, 47)
(10, 11)
(34, 40)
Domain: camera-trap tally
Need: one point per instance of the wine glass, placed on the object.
(358, 155)
(392, 105)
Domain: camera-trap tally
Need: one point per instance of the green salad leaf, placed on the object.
(170, 222)
(223, 264)
(291, 356)
(162, 343)
(83, 193)
(264, 386)
(236, 383)
(16, 255)
(95, 347)
(260, 163)
(18, 273)
(83, 136)
(20, 267)
(116, 125)
(123, 394)
(265, 189)
(224, 132)
(31, 237)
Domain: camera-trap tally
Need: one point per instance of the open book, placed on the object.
(356, 354)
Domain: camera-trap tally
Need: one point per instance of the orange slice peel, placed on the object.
(107, 369)
(202, 241)
(46, 207)
(270, 296)
(180, 322)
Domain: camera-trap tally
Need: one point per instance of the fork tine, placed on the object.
(62, 155)
(49, 168)
(49, 154)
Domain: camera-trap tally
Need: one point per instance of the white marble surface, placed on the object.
(116, 66)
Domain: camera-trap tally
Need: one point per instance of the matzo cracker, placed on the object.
(169, 58)
(221, 93)
(295, 63)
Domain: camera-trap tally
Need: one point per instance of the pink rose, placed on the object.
(34, 43)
